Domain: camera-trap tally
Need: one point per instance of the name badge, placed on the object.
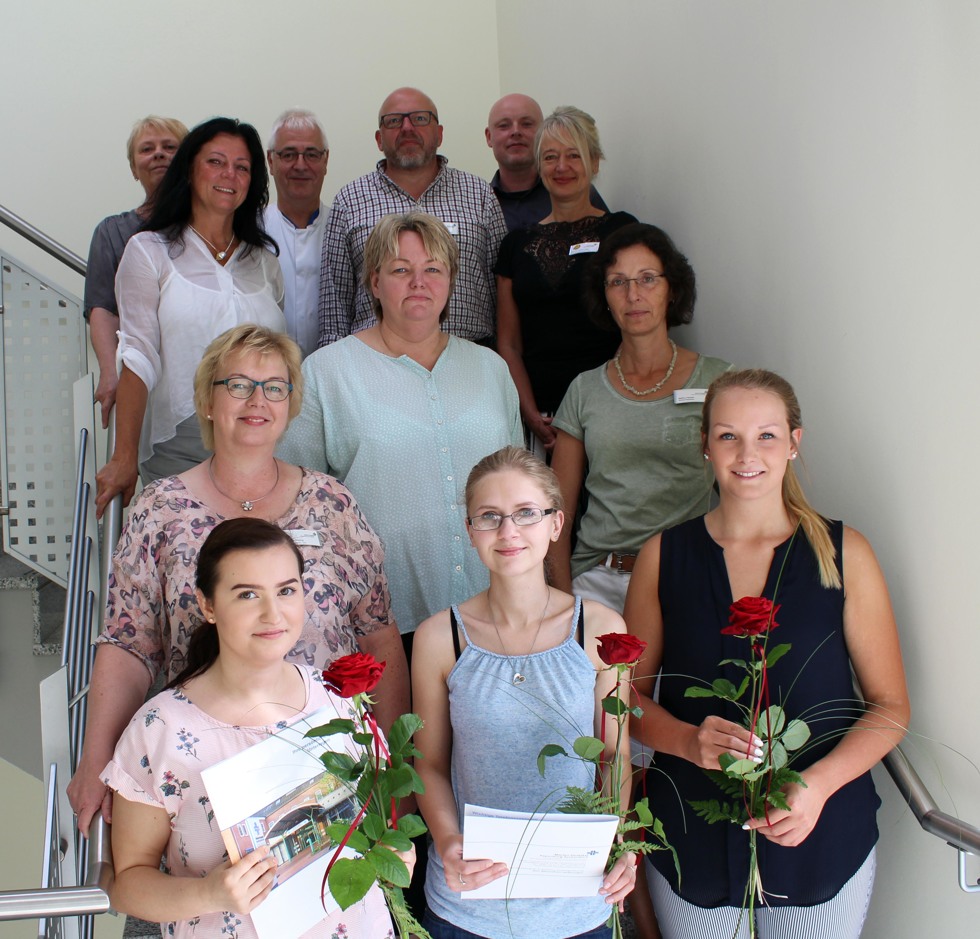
(452, 228)
(585, 247)
(305, 537)
(690, 396)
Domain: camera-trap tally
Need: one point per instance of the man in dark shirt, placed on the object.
(511, 126)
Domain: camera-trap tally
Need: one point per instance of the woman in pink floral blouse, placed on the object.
(247, 389)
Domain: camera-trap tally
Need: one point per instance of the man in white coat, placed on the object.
(298, 155)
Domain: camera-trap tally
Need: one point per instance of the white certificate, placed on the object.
(547, 854)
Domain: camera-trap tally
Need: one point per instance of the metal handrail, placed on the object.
(43, 241)
(954, 831)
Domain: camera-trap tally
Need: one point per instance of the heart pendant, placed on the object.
(518, 678)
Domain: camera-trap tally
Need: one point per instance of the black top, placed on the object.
(560, 340)
(813, 681)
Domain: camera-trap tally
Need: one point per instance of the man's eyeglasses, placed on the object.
(488, 521)
(274, 389)
(647, 281)
(416, 118)
(311, 155)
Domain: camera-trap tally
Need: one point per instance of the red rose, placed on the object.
(750, 616)
(620, 648)
(353, 674)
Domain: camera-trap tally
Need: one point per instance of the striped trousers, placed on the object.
(841, 917)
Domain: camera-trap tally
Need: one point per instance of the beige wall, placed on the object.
(89, 70)
(815, 159)
(818, 161)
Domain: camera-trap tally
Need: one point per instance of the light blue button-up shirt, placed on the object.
(403, 440)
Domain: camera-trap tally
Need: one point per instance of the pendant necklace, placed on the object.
(658, 385)
(246, 504)
(219, 255)
(519, 676)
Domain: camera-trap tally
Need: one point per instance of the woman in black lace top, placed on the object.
(543, 330)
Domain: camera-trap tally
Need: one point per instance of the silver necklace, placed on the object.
(219, 255)
(519, 677)
(658, 385)
(246, 504)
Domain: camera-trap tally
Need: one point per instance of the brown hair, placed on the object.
(233, 534)
(516, 458)
(813, 524)
(245, 338)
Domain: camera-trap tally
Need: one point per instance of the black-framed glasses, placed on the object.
(274, 389)
(488, 521)
(647, 281)
(394, 120)
(311, 155)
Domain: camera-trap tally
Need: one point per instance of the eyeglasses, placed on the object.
(488, 521)
(311, 155)
(416, 118)
(647, 281)
(274, 389)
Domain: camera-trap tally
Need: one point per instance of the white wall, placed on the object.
(818, 162)
(75, 76)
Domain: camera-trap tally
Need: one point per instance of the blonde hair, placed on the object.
(813, 524)
(166, 125)
(574, 126)
(245, 338)
(523, 461)
(382, 244)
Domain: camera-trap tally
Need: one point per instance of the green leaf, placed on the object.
(724, 689)
(636, 712)
(389, 866)
(412, 825)
(350, 879)
(797, 733)
(400, 782)
(771, 722)
(776, 653)
(741, 767)
(741, 688)
(364, 739)
(643, 813)
(696, 691)
(777, 799)
(402, 731)
(778, 755)
(373, 826)
(740, 663)
(338, 831)
(339, 725)
(588, 748)
(396, 839)
(549, 749)
(615, 705)
(340, 764)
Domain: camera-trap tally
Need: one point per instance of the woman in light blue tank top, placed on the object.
(495, 679)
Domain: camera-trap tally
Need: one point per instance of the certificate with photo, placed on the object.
(547, 854)
(277, 793)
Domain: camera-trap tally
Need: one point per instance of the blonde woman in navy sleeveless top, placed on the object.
(816, 860)
(495, 679)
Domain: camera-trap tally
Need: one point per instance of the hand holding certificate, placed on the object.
(549, 854)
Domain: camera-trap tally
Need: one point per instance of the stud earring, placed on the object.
(792, 456)
(209, 417)
(705, 455)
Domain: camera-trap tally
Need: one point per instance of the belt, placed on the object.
(621, 563)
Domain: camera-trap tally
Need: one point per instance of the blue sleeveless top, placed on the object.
(498, 730)
(813, 680)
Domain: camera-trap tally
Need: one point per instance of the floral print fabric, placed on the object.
(152, 611)
(158, 762)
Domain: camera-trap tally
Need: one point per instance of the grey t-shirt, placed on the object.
(646, 472)
(108, 243)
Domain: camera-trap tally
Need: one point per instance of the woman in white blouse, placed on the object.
(199, 268)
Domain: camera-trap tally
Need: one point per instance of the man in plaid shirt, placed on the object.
(411, 176)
